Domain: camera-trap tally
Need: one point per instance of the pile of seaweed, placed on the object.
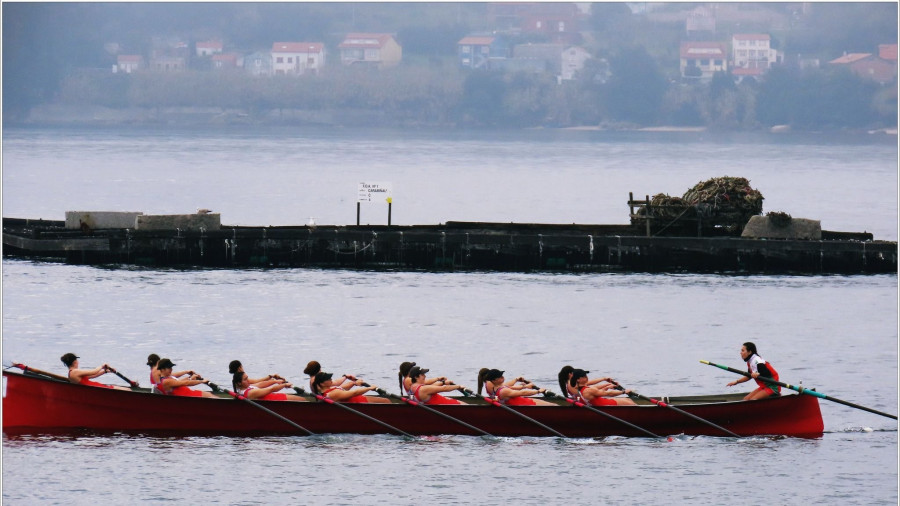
(722, 201)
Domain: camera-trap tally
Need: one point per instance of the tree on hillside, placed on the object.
(636, 87)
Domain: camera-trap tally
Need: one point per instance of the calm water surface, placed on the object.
(837, 333)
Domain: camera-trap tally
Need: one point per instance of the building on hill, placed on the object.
(208, 47)
(375, 49)
(869, 66)
(128, 63)
(700, 60)
(258, 63)
(477, 51)
(753, 52)
(297, 58)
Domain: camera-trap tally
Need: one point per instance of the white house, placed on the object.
(573, 59)
(752, 51)
(297, 58)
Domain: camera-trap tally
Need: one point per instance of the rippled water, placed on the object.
(837, 333)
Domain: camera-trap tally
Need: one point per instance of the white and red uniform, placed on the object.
(753, 366)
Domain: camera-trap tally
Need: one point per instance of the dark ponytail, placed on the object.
(236, 380)
(564, 378)
(481, 374)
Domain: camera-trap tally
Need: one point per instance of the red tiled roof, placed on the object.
(702, 49)
(364, 40)
(297, 47)
(887, 51)
(476, 41)
(850, 58)
(751, 36)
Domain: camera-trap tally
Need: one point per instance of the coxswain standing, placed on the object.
(84, 376)
(757, 366)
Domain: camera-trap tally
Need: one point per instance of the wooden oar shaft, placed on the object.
(800, 389)
(133, 384)
(595, 410)
(432, 410)
(532, 420)
(348, 408)
(269, 411)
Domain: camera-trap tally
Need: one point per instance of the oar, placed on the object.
(260, 406)
(595, 410)
(134, 384)
(683, 412)
(801, 390)
(511, 410)
(32, 370)
(427, 408)
(348, 408)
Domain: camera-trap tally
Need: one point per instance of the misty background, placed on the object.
(57, 56)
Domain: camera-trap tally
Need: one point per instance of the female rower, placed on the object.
(757, 366)
(406, 380)
(597, 395)
(428, 392)
(267, 390)
(323, 385)
(565, 376)
(84, 376)
(313, 368)
(514, 393)
(152, 361)
(516, 384)
(235, 366)
(170, 385)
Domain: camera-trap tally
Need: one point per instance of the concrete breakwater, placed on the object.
(451, 246)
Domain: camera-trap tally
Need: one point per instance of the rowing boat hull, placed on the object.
(33, 404)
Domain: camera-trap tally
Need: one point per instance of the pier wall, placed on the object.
(523, 248)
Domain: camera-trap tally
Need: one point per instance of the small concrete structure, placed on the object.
(76, 220)
(761, 227)
(185, 222)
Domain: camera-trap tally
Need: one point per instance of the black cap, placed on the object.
(322, 377)
(233, 366)
(152, 359)
(493, 374)
(416, 371)
(68, 359)
(165, 364)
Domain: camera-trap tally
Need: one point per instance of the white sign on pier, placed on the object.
(375, 192)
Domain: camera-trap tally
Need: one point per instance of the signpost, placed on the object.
(374, 192)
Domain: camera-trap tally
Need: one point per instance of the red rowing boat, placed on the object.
(36, 404)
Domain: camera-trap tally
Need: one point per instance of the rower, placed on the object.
(429, 392)
(170, 385)
(153, 361)
(599, 395)
(267, 390)
(235, 366)
(84, 376)
(323, 385)
(514, 392)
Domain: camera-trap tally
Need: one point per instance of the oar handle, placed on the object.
(134, 384)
